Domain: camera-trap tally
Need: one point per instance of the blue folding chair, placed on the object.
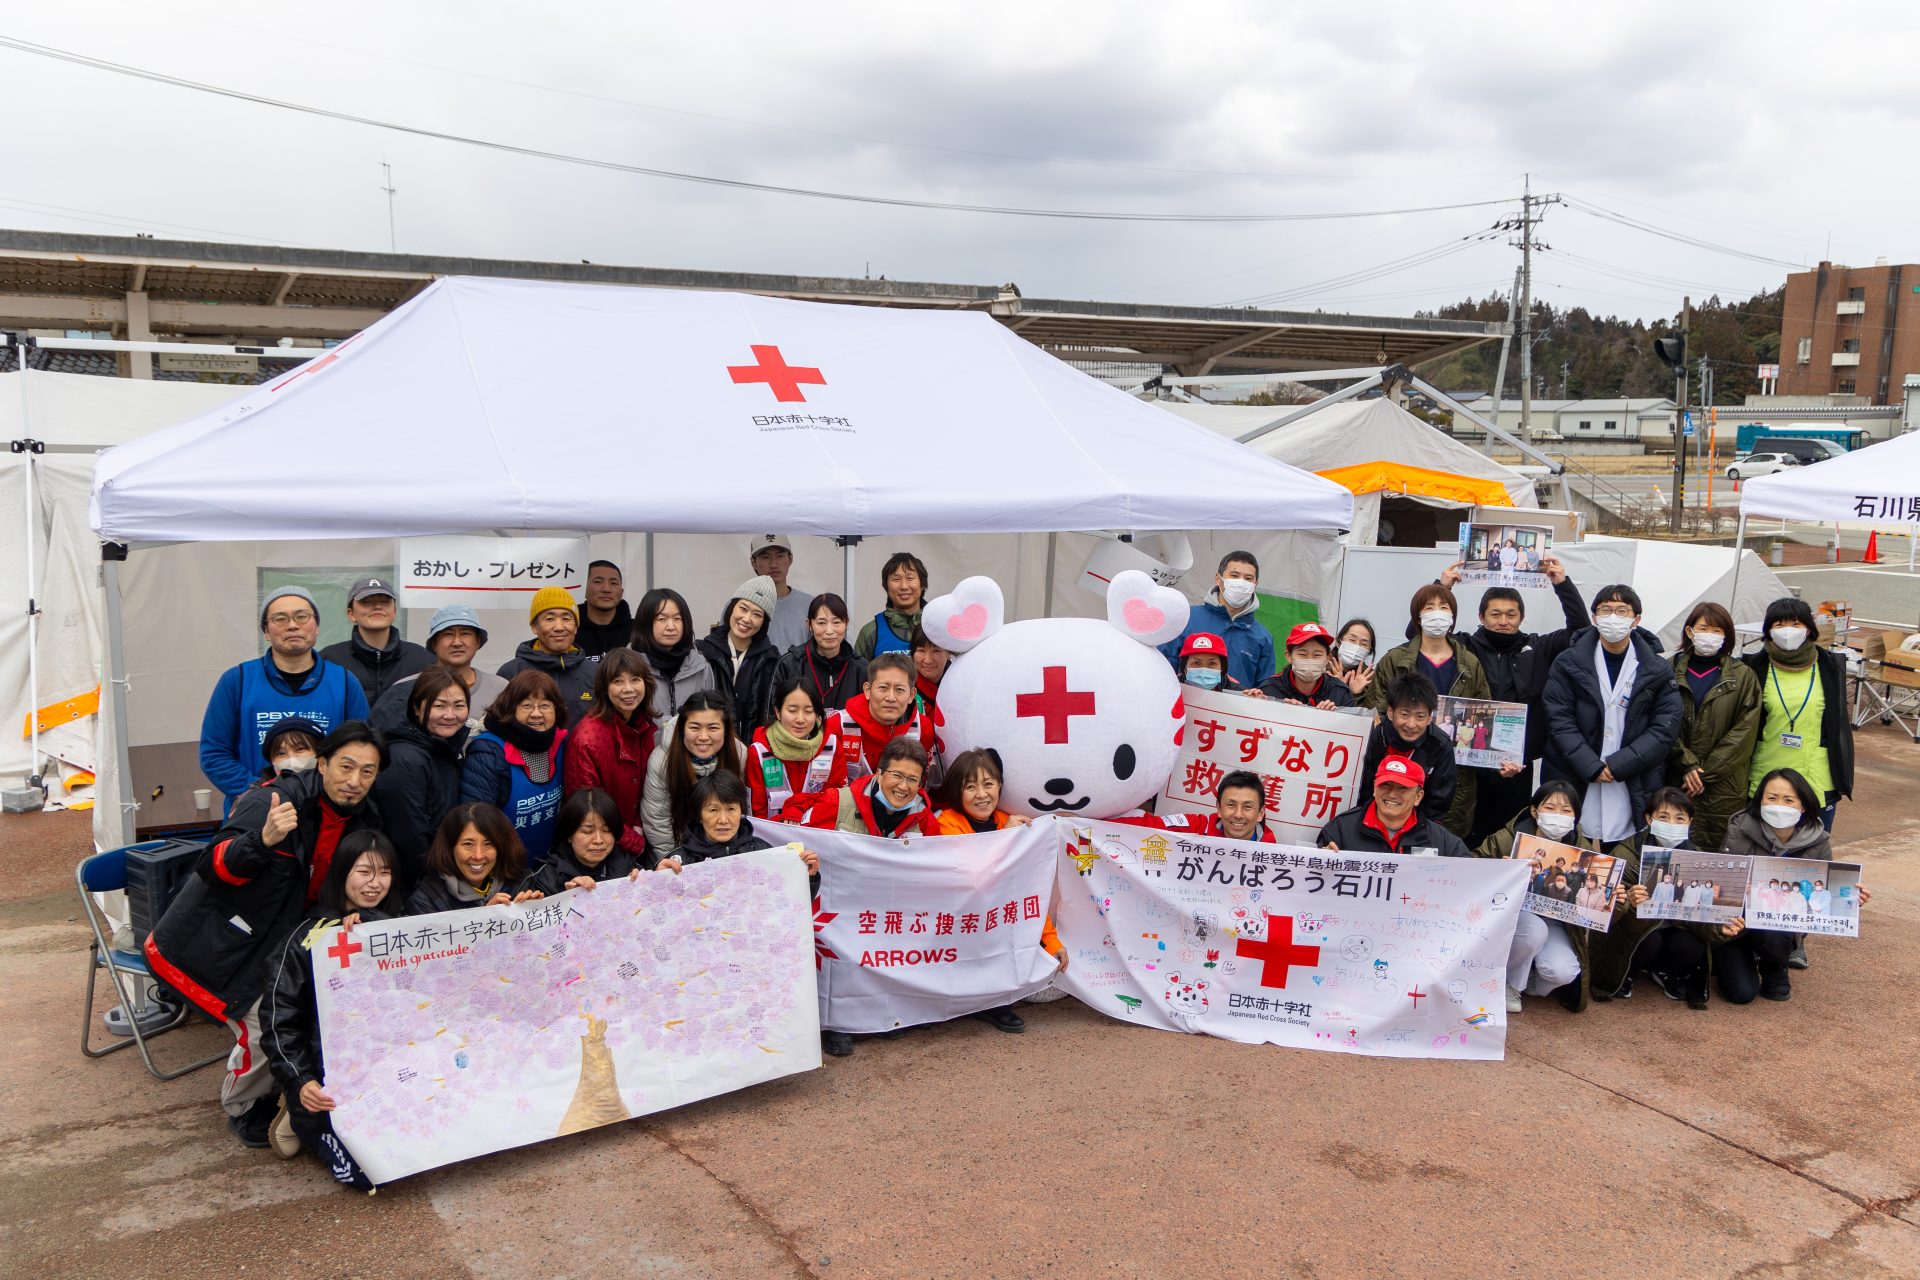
(103, 873)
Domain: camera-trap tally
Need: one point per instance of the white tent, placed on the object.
(1373, 447)
(1880, 483)
(1672, 577)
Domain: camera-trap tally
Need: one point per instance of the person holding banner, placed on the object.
(518, 765)
(555, 620)
(793, 754)
(700, 740)
(361, 884)
(721, 828)
(1231, 612)
(424, 772)
(1720, 715)
(587, 846)
(1203, 664)
(826, 660)
(904, 578)
(664, 637)
(476, 860)
(1408, 730)
(890, 803)
(885, 710)
(613, 744)
(1391, 822)
(1239, 812)
(1305, 678)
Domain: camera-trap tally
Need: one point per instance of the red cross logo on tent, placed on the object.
(343, 950)
(1054, 704)
(772, 368)
(1277, 954)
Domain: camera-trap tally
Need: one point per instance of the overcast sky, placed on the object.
(1770, 129)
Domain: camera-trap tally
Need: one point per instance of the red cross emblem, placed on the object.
(1053, 704)
(772, 368)
(821, 919)
(343, 950)
(1276, 953)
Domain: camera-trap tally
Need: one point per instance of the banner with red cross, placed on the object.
(1308, 761)
(1385, 955)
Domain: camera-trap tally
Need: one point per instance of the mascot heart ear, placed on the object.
(1148, 613)
(969, 614)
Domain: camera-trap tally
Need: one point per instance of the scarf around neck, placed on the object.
(792, 750)
(1798, 660)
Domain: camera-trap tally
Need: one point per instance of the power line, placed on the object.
(738, 184)
(104, 218)
(1418, 258)
(1608, 215)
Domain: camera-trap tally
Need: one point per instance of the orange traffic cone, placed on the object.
(1873, 548)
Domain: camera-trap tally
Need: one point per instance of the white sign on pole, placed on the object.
(487, 573)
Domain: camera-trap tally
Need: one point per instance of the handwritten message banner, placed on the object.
(1309, 761)
(487, 573)
(1401, 957)
(1804, 896)
(929, 927)
(453, 1035)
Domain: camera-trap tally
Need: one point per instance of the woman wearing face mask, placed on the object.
(1450, 663)
(700, 740)
(663, 635)
(1353, 652)
(1203, 663)
(425, 768)
(1805, 726)
(1674, 953)
(518, 765)
(289, 747)
(826, 661)
(1720, 720)
(1306, 678)
(1547, 958)
(793, 754)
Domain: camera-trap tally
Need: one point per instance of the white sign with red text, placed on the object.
(1308, 760)
(1379, 954)
(927, 928)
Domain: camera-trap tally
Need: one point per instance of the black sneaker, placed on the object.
(1671, 987)
(252, 1125)
(1004, 1018)
(1776, 987)
(1626, 989)
(836, 1044)
(1797, 958)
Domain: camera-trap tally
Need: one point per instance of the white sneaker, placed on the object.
(1513, 1000)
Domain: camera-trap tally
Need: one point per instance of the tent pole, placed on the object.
(1739, 555)
(649, 562)
(847, 541)
(1053, 541)
(111, 554)
(1357, 389)
(28, 448)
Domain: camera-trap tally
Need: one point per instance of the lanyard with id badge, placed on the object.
(1789, 739)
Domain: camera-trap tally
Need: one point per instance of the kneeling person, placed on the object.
(1392, 822)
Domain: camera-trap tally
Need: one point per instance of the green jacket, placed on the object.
(1716, 737)
(1470, 681)
(903, 625)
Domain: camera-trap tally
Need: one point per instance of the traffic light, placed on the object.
(1672, 351)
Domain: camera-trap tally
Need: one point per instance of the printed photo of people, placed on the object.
(1504, 555)
(1484, 734)
(1803, 896)
(1569, 884)
(1688, 884)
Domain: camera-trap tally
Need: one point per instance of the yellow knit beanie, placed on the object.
(552, 598)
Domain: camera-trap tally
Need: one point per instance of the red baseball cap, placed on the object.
(1400, 769)
(1309, 631)
(1204, 642)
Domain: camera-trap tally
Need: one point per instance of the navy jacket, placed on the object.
(1576, 719)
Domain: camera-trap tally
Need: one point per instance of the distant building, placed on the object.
(1618, 418)
(1850, 331)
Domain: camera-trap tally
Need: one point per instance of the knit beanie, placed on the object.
(760, 593)
(281, 593)
(552, 598)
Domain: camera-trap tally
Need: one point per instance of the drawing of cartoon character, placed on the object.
(1186, 1001)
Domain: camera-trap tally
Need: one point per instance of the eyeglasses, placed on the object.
(902, 779)
(300, 619)
(1614, 611)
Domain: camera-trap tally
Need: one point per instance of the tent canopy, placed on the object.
(80, 411)
(529, 405)
(1880, 482)
(1370, 446)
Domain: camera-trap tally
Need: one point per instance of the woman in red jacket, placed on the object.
(610, 748)
(794, 754)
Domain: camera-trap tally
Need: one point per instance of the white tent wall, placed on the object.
(79, 410)
(15, 547)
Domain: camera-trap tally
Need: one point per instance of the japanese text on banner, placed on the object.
(1308, 760)
(487, 573)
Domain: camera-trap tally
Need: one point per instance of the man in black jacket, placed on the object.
(1408, 731)
(1613, 713)
(1516, 663)
(253, 884)
(1392, 822)
(374, 652)
(606, 622)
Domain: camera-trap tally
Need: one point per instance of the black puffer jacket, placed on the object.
(752, 688)
(1350, 832)
(697, 848)
(1517, 665)
(574, 671)
(1433, 752)
(1576, 720)
(289, 1019)
(419, 785)
(596, 638)
(216, 939)
(377, 669)
(551, 876)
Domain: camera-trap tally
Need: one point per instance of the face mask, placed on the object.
(1309, 670)
(1553, 825)
(1613, 629)
(1708, 643)
(1436, 622)
(1668, 834)
(1203, 677)
(298, 764)
(1354, 655)
(1236, 592)
(1788, 638)
(1779, 815)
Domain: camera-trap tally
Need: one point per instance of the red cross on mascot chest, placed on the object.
(1055, 705)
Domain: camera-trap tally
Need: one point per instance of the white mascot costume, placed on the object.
(1086, 715)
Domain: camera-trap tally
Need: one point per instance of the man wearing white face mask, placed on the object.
(1613, 714)
(1804, 725)
(1229, 611)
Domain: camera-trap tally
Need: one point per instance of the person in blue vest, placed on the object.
(1230, 612)
(904, 576)
(516, 764)
(289, 679)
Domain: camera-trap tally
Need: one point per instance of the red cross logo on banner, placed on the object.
(1053, 704)
(1277, 954)
(343, 950)
(821, 919)
(772, 368)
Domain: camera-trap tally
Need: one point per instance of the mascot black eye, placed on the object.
(1123, 762)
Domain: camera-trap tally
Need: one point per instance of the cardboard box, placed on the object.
(1894, 656)
(1897, 677)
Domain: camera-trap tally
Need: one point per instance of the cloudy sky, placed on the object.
(1764, 129)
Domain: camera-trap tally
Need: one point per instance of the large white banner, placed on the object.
(1309, 761)
(1392, 956)
(929, 927)
(449, 1036)
(487, 573)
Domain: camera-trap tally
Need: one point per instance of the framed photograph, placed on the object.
(1572, 885)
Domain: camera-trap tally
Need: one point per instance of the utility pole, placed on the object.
(1679, 417)
(386, 185)
(1566, 367)
(1530, 208)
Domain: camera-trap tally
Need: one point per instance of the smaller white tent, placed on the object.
(1878, 484)
(1373, 447)
(1672, 577)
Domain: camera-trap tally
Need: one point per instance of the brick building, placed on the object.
(1850, 331)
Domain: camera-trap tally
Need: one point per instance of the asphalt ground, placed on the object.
(1637, 1139)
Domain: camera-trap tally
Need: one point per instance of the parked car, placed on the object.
(1760, 464)
(1807, 451)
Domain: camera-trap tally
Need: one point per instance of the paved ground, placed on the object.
(1638, 1139)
